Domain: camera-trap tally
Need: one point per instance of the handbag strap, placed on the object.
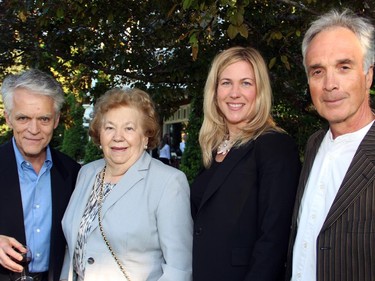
(101, 192)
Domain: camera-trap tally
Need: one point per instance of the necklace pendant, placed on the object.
(224, 147)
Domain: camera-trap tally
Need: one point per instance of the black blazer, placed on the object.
(63, 177)
(242, 224)
(346, 242)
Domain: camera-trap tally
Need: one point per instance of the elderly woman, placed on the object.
(242, 202)
(129, 217)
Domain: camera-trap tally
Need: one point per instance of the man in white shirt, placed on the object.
(333, 230)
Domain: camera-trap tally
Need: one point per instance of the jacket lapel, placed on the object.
(87, 180)
(360, 174)
(311, 151)
(128, 181)
(59, 189)
(10, 198)
(224, 169)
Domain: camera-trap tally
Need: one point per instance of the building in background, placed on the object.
(175, 126)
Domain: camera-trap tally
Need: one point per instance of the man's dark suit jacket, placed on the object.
(242, 225)
(63, 177)
(346, 242)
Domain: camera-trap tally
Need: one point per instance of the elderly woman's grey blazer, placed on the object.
(146, 218)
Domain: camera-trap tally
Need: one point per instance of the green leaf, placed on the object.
(110, 18)
(272, 62)
(193, 40)
(22, 16)
(236, 19)
(243, 30)
(60, 12)
(187, 4)
(232, 31)
(277, 35)
(285, 61)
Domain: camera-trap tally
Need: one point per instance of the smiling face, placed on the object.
(33, 120)
(122, 137)
(338, 85)
(236, 93)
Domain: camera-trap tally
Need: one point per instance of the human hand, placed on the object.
(10, 250)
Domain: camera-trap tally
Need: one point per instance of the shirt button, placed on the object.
(90, 260)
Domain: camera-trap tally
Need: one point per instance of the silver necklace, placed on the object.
(225, 146)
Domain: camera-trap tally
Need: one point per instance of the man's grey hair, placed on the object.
(360, 26)
(35, 81)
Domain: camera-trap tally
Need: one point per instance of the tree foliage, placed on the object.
(164, 47)
(75, 135)
(92, 152)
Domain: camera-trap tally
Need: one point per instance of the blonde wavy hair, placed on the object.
(214, 127)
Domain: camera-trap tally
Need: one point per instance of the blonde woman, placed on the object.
(242, 201)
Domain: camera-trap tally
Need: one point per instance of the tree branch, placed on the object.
(299, 5)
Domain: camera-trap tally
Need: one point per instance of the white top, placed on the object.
(165, 152)
(330, 165)
(182, 146)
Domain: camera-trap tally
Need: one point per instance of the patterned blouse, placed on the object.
(89, 215)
